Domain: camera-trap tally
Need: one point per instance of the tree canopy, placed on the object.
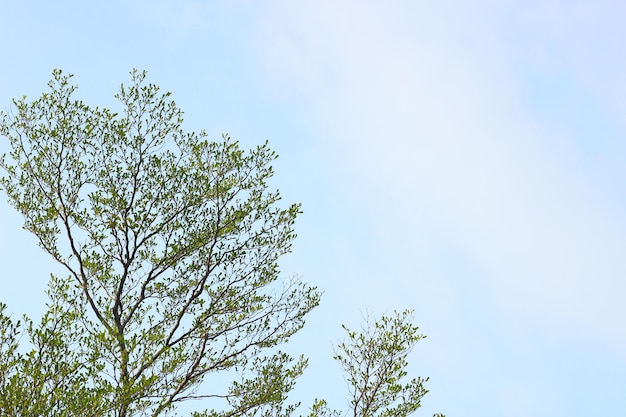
(171, 243)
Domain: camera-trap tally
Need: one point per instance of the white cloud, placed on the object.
(427, 117)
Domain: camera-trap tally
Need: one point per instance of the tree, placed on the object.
(171, 243)
(374, 361)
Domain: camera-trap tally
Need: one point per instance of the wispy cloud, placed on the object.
(433, 116)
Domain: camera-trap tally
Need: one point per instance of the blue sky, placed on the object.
(463, 159)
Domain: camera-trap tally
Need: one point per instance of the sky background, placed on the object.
(462, 159)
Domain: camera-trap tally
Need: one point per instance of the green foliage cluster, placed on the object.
(171, 245)
(374, 361)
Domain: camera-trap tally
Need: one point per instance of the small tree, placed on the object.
(171, 243)
(374, 361)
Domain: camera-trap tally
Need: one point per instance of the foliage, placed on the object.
(374, 361)
(171, 244)
(37, 382)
